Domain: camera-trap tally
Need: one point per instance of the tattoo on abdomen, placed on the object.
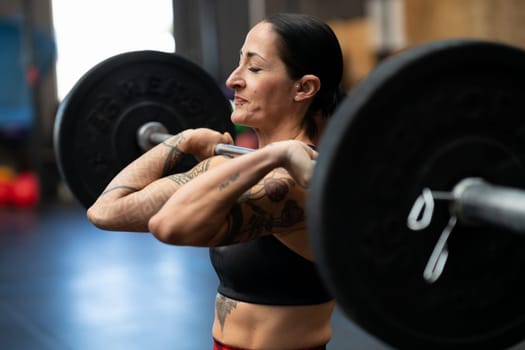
(224, 307)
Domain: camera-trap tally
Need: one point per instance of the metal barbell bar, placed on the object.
(153, 133)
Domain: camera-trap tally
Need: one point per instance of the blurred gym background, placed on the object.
(66, 285)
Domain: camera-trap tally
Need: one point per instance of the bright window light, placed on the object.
(87, 32)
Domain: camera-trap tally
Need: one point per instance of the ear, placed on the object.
(307, 87)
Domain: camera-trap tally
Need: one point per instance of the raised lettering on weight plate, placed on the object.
(101, 117)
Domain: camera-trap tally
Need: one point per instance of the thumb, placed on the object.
(227, 138)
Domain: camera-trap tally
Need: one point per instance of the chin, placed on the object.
(238, 119)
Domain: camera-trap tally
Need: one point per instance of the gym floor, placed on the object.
(65, 285)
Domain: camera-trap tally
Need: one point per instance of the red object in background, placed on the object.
(32, 75)
(5, 193)
(26, 190)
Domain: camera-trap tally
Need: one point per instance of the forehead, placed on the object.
(261, 39)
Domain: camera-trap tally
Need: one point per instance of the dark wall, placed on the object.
(233, 24)
(211, 32)
(326, 9)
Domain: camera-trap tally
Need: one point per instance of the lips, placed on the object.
(239, 101)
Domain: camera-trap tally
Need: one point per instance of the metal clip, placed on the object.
(439, 256)
(419, 218)
(421, 213)
(423, 208)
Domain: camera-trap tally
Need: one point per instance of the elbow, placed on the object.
(96, 217)
(103, 218)
(178, 230)
(166, 230)
(156, 229)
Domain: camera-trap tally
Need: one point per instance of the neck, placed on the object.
(266, 138)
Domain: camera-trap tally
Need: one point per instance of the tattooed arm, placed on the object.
(240, 199)
(142, 187)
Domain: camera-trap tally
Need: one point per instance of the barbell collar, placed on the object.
(477, 201)
(151, 134)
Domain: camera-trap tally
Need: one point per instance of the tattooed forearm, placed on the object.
(179, 179)
(129, 188)
(224, 307)
(184, 178)
(230, 180)
(200, 168)
(173, 157)
(175, 154)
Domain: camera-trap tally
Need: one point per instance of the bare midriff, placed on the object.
(253, 326)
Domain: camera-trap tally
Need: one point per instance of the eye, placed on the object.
(254, 69)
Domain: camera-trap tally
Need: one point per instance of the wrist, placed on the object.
(183, 141)
(273, 153)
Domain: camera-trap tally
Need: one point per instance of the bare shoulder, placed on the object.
(288, 201)
(277, 186)
(275, 205)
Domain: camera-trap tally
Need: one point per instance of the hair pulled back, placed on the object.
(309, 46)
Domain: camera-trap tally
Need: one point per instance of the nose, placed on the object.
(235, 80)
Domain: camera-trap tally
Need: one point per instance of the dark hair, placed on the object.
(309, 46)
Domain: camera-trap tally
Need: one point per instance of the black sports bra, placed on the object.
(265, 271)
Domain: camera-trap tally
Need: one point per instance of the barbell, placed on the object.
(153, 133)
(421, 165)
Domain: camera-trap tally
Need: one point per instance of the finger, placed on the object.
(228, 138)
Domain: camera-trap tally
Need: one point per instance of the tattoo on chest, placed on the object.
(262, 220)
(224, 307)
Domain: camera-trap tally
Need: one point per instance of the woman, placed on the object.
(250, 209)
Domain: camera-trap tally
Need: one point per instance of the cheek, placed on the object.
(263, 96)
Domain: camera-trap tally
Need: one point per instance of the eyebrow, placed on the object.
(250, 54)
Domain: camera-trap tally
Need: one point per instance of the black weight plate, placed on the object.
(96, 125)
(428, 117)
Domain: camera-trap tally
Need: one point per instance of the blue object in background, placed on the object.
(16, 109)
